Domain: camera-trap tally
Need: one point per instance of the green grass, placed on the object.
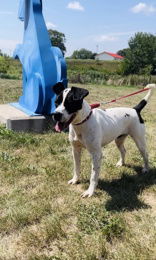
(44, 218)
(84, 72)
(103, 73)
(10, 68)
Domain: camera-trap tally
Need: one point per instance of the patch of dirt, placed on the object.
(150, 199)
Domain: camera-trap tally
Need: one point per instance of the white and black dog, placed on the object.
(95, 128)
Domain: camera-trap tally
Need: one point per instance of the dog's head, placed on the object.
(68, 102)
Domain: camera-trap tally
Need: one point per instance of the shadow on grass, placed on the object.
(124, 191)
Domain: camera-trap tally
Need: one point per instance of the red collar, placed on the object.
(83, 121)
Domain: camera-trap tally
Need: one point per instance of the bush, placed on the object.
(10, 68)
(4, 65)
(141, 55)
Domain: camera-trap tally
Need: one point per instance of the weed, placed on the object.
(18, 139)
(96, 218)
(6, 157)
(44, 257)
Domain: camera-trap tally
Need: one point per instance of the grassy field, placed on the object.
(84, 72)
(44, 218)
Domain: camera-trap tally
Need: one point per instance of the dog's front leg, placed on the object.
(76, 150)
(96, 158)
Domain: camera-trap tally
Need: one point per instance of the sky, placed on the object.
(96, 25)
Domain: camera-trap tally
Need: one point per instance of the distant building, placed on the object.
(108, 56)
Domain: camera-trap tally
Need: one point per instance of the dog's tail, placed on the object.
(144, 101)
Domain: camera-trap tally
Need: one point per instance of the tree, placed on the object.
(1, 54)
(83, 54)
(141, 55)
(57, 39)
(123, 52)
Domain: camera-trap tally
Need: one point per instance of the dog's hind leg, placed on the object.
(76, 150)
(139, 139)
(120, 145)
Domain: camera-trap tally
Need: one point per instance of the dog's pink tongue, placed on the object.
(58, 127)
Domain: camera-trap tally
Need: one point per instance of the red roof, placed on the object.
(112, 54)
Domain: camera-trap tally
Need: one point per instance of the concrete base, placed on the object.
(17, 120)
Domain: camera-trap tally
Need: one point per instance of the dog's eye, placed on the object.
(56, 105)
(58, 100)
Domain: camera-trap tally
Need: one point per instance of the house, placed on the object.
(108, 56)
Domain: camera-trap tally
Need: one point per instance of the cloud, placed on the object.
(75, 6)
(143, 8)
(6, 12)
(112, 37)
(123, 33)
(50, 25)
(107, 38)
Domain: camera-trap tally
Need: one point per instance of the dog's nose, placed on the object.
(57, 116)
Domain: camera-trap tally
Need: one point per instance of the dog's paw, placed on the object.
(73, 181)
(120, 163)
(88, 193)
(145, 170)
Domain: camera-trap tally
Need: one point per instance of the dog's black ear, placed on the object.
(79, 93)
(58, 88)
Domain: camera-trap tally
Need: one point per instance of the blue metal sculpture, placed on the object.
(43, 65)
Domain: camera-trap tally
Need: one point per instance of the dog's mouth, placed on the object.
(60, 126)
